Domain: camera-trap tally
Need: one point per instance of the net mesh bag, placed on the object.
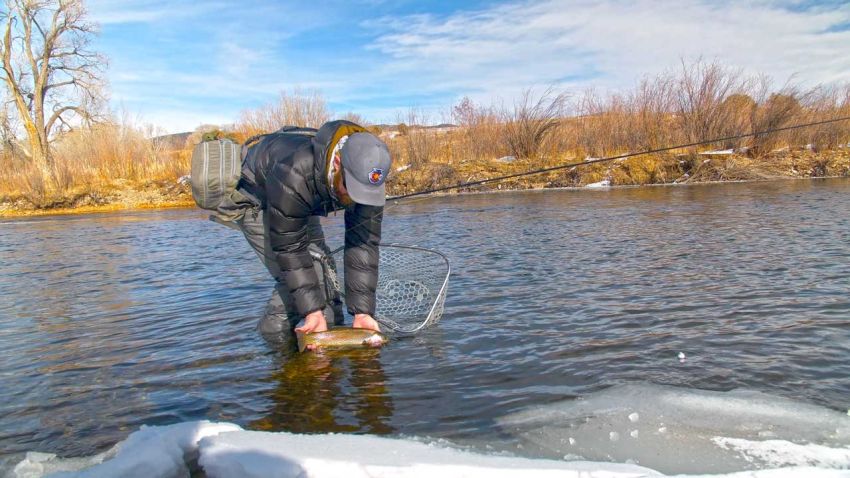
(412, 283)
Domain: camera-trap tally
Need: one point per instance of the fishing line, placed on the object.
(422, 194)
(610, 158)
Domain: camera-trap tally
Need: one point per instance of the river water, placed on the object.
(108, 322)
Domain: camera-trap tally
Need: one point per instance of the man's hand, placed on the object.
(313, 322)
(365, 321)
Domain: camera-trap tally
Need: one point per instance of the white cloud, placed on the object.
(429, 60)
(219, 83)
(180, 101)
(504, 49)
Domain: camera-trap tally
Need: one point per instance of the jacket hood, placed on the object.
(323, 145)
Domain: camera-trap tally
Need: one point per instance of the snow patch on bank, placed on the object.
(784, 453)
(261, 454)
(150, 452)
(605, 183)
(225, 450)
(676, 430)
(626, 431)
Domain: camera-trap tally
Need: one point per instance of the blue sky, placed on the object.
(179, 64)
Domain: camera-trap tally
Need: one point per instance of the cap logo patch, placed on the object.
(376, 176)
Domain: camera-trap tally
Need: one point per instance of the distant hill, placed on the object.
(394, 127)
(172, 141)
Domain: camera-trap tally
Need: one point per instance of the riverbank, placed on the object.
(117, 197)
(704, 167)
(9, 212)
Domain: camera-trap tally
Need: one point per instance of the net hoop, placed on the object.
(407, 276)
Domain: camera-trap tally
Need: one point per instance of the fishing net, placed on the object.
(412, 283)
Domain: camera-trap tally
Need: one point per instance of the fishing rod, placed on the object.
(436, 309)
(420, 194)
(610, 158)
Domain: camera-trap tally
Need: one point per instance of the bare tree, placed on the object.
(480, 133)
(7, 130)
(51, 76)
(355, 118)
(700, 95)
(422, 142)
(775, 109)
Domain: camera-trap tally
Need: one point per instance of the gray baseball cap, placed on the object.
(366, 163)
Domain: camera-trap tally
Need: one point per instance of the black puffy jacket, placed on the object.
(287, 174)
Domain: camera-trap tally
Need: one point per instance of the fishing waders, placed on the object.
(280, 317)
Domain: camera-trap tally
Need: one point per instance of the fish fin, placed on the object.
(302, 344)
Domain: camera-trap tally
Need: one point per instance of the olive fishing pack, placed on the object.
(216, 168)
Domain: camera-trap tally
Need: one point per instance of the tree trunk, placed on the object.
(40, 152)
(50, 39)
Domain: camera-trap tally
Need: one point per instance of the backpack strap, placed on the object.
(298, 130)
(289, 129)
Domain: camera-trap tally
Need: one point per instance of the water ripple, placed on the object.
(111, 321)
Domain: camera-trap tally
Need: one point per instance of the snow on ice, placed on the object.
(626, 431)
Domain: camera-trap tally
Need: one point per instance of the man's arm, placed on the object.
(362, 239)
(288, 215)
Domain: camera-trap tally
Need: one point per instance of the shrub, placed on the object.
(296, 107)
(531, 121)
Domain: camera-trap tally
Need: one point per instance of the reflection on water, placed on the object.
(109, 322)
(332, 391)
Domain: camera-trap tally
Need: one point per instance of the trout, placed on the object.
(341, 338)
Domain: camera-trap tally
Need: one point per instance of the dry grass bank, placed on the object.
(690, 104)
(117, 165)
(679, 168)
(109, 166)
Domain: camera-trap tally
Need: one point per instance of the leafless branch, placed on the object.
(48, 71)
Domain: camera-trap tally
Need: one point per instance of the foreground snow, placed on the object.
(149, 452)
(257, 454)
(225, 450)
(678, 430)
(603, 434)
